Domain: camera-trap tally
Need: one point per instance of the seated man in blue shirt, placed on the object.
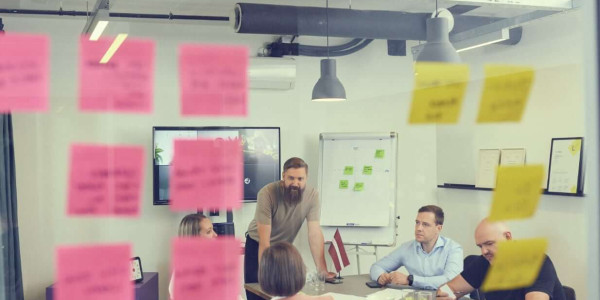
(431, 259)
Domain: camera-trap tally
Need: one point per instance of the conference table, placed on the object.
(352, 285)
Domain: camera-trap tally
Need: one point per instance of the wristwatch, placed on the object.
(410, 280)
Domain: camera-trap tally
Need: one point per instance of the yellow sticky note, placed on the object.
(348, 170)
(518, 190)
(438, 92)
(575, 147)
(343, 184)
(516, 264)
(368, 170)
(505, 93)
(359, 187)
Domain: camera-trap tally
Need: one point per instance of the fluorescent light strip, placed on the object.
(98, 29)
(113, 48)
(482, 44)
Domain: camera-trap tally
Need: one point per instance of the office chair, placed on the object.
(476, 294)
(569, 292)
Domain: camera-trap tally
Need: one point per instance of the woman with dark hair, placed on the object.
(282, 274)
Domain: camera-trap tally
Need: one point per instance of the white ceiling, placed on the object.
(224, 7)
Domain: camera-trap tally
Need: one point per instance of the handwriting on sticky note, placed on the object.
(518, 190)
(24, 72)
(212, 275)
(367, 170)
(343, 184)
(359, 186)
(93, 272)
(105, 180)
(348, 170)
(124, 84)
(505, 93)
(379, 153)
(206, 174)
(516, 264)
(438, 92)
(213, 80)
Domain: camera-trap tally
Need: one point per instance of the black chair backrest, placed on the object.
(476, 294)
(569, 292)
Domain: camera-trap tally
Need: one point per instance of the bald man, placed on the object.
(487, 236)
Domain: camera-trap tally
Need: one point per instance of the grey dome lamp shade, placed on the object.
(438, 47)
(328, 87)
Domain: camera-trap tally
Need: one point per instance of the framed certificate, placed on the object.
(566, 164)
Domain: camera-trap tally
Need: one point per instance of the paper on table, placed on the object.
(337, 296)
(24, 72)
(486, 168)
(93, 272)
(438, 92)
(505, 93)
(213, 80)
(386, 294)
(517, 193)
(517, 264)
(206, 174)
(446, 289)
(124, 84)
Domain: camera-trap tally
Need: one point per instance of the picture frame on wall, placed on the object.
(565, 169)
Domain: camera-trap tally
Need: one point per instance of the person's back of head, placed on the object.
(281, 271)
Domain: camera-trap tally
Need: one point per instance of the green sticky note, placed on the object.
(359, 186)
(368, 170)
(348, 170)
(343, 184)
(379, 153)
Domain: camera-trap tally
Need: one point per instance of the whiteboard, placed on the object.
(357, 187)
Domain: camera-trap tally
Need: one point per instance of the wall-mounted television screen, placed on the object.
(261, 147)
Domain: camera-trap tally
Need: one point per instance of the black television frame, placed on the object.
(155, 178)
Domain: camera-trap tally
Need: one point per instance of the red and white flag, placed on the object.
(338, 252)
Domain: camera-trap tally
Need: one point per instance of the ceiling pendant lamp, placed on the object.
(328, 87)
(438, 47)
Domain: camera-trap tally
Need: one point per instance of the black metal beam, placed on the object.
(113, 15)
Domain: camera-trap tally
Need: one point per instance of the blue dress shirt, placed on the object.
(430, 270)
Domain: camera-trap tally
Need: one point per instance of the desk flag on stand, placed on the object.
(338, 252)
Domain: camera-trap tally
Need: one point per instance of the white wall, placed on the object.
(378, 102)
(378, 87)
(552, 46)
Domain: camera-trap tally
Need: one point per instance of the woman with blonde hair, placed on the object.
(194, 225)
(282, 274)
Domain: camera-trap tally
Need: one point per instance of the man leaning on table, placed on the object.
(488, 234)
(431, 259)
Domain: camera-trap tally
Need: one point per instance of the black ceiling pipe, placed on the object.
(300, 20)
(113, 15)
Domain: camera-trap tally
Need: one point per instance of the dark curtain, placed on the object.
(11, 255)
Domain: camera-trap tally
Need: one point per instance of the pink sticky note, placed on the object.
(93, 272)
(105, 180)
(124, 84)
(205, 268)
(206, 174)
(213, 80)
(24, 71)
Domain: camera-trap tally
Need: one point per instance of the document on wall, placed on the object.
(486, 168)
(512, 157)
(565, 160)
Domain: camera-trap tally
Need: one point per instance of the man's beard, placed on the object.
(292, 194)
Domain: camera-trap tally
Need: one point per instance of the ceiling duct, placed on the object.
(309, 21)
